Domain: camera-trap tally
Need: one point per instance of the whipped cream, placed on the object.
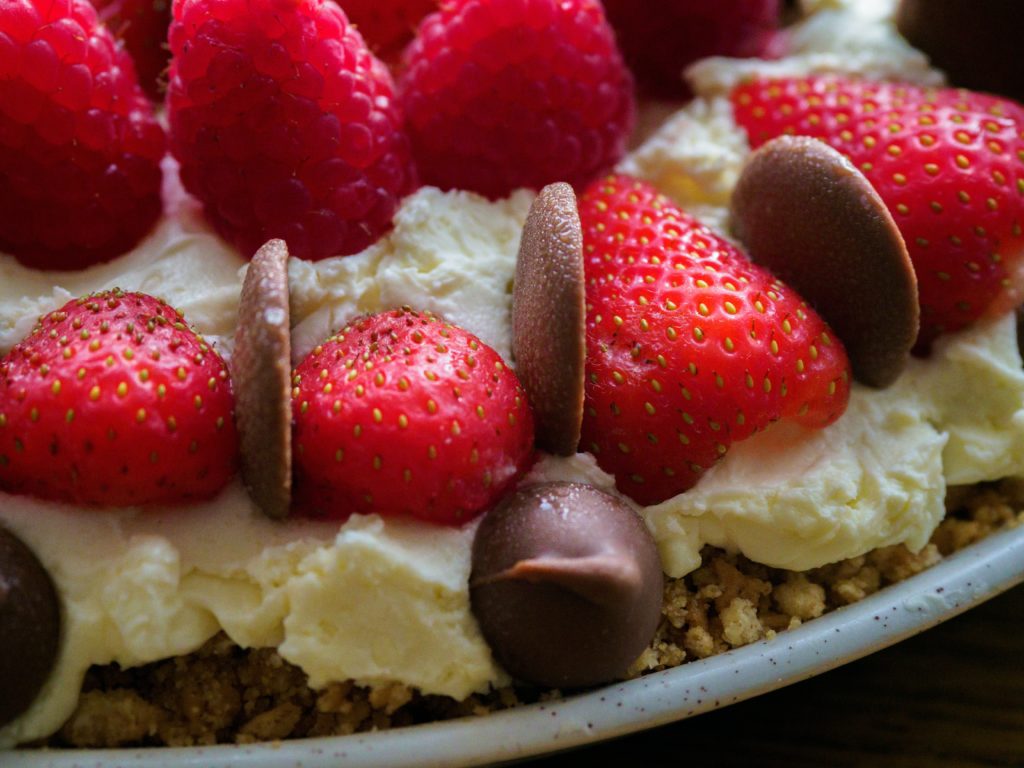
(381, 601)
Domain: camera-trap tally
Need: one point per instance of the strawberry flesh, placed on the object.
(949, 166)
(113, 401)
(690, 346)
(403, 414)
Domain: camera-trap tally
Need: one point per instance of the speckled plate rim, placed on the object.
(959, 582)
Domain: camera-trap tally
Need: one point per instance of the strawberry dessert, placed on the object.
(347, 353)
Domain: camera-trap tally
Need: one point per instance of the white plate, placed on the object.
(961, 581)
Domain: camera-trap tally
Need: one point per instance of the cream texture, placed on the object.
(381, 601)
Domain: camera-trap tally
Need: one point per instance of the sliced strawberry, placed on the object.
(949, 165)
(113, 400)
(401, 413)
(690, 346)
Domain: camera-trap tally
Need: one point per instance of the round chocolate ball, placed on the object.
(29, 626)
(566, 585)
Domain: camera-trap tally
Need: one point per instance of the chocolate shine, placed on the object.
(260, 374)
(566, 585)
(29, 626)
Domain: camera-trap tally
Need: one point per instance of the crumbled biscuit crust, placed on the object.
(226, 694)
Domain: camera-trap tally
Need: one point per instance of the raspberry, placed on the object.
(516, 93)
(79, 144)
(142, 26)
(387, 25)
(285, 125)
(660, 38)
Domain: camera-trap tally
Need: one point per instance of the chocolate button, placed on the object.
(548, 315)
(29, 626)
(566, 585)
(805, 212)
(261, 372)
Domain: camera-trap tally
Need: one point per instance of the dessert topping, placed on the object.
(660, 38)
(142, 26)
(690, 346)
(949, 166)
(566, 585)
(402, 413)
(802, 210)
(548, 314)
(29, 625)
(80, 147)
(113, 400)
(387, 26)
(516, 93)
(261, 371)
(285, 125)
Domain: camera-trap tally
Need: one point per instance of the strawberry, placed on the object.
(387, 25)
(142, 26)
(80, 146)
(111, 401)
(285, 125)
(514, 93)
(949, 165)
(660, 38)
(401, 413)
(690, 346)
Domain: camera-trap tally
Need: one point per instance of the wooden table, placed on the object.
(952, 697)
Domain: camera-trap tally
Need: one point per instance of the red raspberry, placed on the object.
(660, 38)
(285, 125)
(516, 93)
(387, 26)
(142, 26)
(79, 145)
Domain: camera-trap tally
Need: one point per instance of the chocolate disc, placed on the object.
(548, 312)
(29, 626)
(261, 371)
(976, 43)
(566, 585)
(805, 212)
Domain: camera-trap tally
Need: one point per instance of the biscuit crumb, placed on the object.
(224, 694)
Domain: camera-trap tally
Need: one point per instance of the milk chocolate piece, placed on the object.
(261, 371)
(805, 212)
(975, 42)
(548, 313)
(566, 585)
(29, 626)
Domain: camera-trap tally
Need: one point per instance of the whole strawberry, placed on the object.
(387, 26)
(142, 26)
(505, 94)
(285, 125)
(690, 346)
(112, 401)
(948, 165)
(660, 38)
(80, 147)
(401, 413)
